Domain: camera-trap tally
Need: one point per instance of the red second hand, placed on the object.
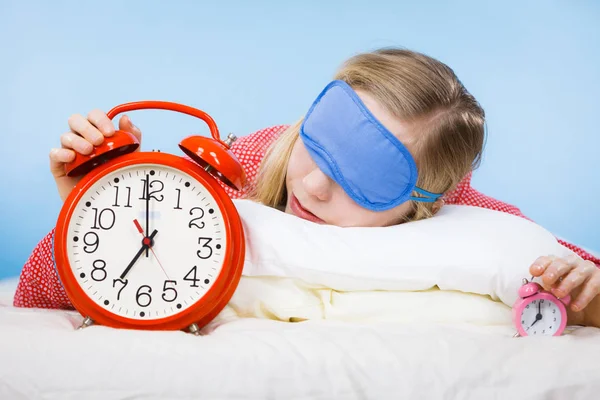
(141, 230)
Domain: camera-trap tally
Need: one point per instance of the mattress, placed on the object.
(42, 356)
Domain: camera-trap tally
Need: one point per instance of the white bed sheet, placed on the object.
(43, 357)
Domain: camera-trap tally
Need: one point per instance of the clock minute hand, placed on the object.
(145, 246)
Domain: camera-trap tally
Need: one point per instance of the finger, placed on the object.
(70, 140)
(84, 127)
(539, 266)
(590, 290)
(58, 158)
(125, 124)
(102, 122)
(557, 269)
(574, 279)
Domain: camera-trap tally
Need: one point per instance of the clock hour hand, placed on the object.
(146, 244)
(538, 316)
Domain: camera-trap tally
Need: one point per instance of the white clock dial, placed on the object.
(188, 241)
(541, 318)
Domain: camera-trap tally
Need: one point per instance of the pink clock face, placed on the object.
(541, 317)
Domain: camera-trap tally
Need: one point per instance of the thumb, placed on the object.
(125, 124)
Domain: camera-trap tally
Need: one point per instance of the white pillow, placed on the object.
(463, 248)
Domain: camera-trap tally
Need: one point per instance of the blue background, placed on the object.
(533, 65)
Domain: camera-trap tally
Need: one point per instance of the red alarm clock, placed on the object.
(150, 240)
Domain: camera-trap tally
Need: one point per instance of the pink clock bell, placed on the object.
(538, 312)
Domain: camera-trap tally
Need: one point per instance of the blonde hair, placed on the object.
(418, 90)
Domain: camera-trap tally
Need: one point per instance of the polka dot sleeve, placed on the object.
(39, 285)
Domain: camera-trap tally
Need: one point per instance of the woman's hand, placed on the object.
(85, 133)
(576, 277)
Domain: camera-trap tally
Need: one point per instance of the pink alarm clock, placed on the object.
(538, 312)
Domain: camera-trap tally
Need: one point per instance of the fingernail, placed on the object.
(575, 307)
(551, 275)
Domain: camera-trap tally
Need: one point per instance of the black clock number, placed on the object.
(128, 205)
(192, 223)
(144, 296)
(91, 239)
(204, 246)
(171, 289)
(178, 199)
(194, 280)
(104, 219)
(123, 282)
(152, 193)
(98, 271)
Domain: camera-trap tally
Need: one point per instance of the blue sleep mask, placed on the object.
(354, 149)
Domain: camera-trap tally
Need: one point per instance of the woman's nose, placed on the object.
(317, 184)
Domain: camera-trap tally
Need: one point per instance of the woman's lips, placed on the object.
(301, 212)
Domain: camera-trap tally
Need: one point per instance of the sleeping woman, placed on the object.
(424, 133)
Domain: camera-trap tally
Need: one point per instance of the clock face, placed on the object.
(146, 241)
(541, 317)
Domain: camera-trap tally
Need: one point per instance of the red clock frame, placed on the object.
(215, 299)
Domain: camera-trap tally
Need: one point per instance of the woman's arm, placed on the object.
(581, 276)
(39, 285)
